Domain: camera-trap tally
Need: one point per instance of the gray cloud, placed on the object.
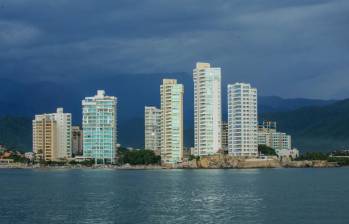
(287, 48)
(16, 34)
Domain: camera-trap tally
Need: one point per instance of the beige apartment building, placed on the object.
(52, 135)
(44, 137)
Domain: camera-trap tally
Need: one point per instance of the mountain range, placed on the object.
(315, 128)
(19, 102)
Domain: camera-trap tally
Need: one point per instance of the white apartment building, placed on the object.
(152, 128)
(242, 120)
(64, 133)
(171, 121)
(207, 109)
(99, 127)
(52, 135)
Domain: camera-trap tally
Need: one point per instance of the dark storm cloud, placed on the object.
(289, 48)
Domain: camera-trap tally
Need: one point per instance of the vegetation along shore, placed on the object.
(146, 159)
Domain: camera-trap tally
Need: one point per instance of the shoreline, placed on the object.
(288, 165)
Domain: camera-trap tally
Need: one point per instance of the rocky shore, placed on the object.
(229, 162)
(205, 162)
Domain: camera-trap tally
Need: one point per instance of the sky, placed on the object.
(288, 48)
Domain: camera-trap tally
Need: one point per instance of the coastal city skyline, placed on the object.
(163, 111)
(164, 127)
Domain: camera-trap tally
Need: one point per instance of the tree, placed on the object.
(265, 150)
(313, 156)
(137, 157)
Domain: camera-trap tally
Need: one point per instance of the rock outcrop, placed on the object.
(231, 162)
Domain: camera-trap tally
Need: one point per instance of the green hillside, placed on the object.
(15, 133)
(315, 128)
(321, 128)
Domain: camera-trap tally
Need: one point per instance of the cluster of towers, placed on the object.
(54, 138)
(164, 126)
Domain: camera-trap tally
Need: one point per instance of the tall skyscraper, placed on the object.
(76, 141)
(171, 121)
(152, 128)
(52, 135)
(242, 120)
(207, 109)
(99, 127)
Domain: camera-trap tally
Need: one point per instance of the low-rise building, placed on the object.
(29, 155)
(6, 161)
(290, 153)
(77, 141)
(224, 136)
(279, 141)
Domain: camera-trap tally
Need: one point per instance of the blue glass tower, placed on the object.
(99, 127)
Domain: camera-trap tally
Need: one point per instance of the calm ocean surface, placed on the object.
(175, 196)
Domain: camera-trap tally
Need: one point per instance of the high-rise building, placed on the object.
(99, 127)
(225, 136)
(171, 121)
(64, 133)
(152, 128)
(207, 109)
(242, 120)
(44, 137)
(77, 141)
(52, 135)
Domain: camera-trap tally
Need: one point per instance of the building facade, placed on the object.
(52, 135)
(77, 136)
(225, 136)
(279, 141)
(207, 109)
(152, 128)
(242, 120)
(44, 137)
(64, 133)
(99, 126)
(265, 133)
(171, 121)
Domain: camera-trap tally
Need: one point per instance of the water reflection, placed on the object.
(174, 196)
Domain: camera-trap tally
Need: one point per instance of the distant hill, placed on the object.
(28, 99)
(278, 104)
(315, 128)
(15, 133)
(19, 102)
